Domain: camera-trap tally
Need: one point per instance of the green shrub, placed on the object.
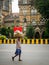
(25, 38)
(2, 37)
(29, 31)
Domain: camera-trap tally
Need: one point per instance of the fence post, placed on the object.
(4, 41)
(8, 41)
(28, 41)
(0, 41)
(23, 41)
(32, 41)
(41, 41)
(46, 41)
(12, 41)
(37, 41)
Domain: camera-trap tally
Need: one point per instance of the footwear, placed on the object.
(12, 58)
(20, 60)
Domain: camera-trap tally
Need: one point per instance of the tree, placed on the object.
(47, 29)
(30, 31)
(3, 31)
(0, 30)
(12, 32)
(42, 6)
(7, 32)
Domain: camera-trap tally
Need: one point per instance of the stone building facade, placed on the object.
(11, 20)
(5, 9)
(28, 14)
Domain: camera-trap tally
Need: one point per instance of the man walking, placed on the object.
(18, 49)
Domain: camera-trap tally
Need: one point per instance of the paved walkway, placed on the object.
(31, 55)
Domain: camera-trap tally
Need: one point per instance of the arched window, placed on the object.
(37, 35)
(17, 21)
(24, 11)
(43, 34)
(24, 1)
(1, 4)
(33, 12)
(34, 22)
(24, 20)
(6, 5)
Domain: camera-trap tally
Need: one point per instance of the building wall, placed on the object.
(7, 7)
(5, 10)
(31, 14)
(26, 12)
(9, 23)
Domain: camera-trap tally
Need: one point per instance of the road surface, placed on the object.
(31, 54)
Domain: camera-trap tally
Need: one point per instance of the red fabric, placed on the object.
(18, 28)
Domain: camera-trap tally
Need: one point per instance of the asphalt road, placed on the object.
(31, 54)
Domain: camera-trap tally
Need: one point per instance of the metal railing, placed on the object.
(25, 41)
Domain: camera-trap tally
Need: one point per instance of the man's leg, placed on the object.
(13, 57)
(20, 57)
